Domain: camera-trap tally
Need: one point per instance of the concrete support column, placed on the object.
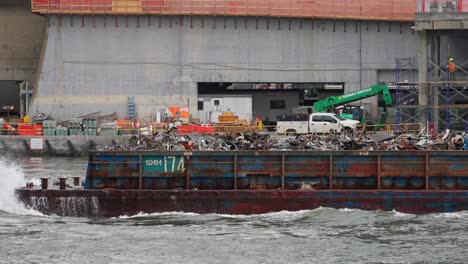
(422, 76)
(187, 93)
(435, 58)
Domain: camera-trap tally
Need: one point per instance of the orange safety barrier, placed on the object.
(187, 129)
(125, 124)
(39, 129)
(179, 112)
(397, 10)
(28, 130)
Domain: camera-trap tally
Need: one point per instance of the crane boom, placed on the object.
(329, 103)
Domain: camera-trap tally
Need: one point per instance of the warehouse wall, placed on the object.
(94, 66)
(261, 104)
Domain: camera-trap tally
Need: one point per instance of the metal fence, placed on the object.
(436, 6)
(397, 10)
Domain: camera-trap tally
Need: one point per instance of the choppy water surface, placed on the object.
(315, 236)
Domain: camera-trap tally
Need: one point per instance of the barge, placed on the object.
(253, 182)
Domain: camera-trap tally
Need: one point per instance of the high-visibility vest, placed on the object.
(451, 67)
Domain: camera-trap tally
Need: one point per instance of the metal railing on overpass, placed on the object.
(442, 6)
(391, 10)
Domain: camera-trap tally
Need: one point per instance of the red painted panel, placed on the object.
(153, 5)
(464, 5)
(72, 6)
(340, 9)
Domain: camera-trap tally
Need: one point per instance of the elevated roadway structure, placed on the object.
(97, 53)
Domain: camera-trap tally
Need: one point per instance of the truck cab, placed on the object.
(326, 122)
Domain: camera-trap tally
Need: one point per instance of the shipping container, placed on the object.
(61, 131)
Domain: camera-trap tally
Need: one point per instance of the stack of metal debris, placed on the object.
(449, 141)
(172, 140)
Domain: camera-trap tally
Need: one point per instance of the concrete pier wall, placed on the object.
(92, 63)
(67, 146)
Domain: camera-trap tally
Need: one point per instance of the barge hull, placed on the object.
(113, 203)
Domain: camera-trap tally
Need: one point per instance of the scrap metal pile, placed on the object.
(174, 141)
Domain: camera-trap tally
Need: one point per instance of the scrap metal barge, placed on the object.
(251, 182)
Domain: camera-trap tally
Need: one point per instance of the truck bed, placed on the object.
(293, 127)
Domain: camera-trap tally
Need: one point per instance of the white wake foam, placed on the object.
(400, 214)
(282, 216)
(141, 215)
(454, 215)
(12, 177)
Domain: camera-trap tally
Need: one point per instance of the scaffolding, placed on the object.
(449, 97)
(407, 91)
(455, 113)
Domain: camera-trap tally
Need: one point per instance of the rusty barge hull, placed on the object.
(113, 203)
(252, 182)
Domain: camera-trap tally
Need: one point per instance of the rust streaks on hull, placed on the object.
(111, 203)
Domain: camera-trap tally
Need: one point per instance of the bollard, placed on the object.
(76, 181)
(63, 183)
(44, 183)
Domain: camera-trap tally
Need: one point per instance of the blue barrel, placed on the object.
(466, 143)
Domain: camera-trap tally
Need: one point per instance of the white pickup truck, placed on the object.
(314, 123)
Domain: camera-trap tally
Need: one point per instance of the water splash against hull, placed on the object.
(66, 206)
(12, 177)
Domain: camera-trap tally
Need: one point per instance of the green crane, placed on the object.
(330, 103)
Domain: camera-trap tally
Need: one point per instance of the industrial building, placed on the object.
(72, 58)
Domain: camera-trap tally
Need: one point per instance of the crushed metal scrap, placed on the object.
(258, 141)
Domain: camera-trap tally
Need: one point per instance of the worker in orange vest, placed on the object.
(451, 70)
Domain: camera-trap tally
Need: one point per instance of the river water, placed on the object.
(323, 235)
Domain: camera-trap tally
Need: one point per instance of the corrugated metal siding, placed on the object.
(400, 10)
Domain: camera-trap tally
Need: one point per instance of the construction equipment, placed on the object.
(228, 117)
(356, 112)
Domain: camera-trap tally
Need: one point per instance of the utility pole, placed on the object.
(27, 98)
